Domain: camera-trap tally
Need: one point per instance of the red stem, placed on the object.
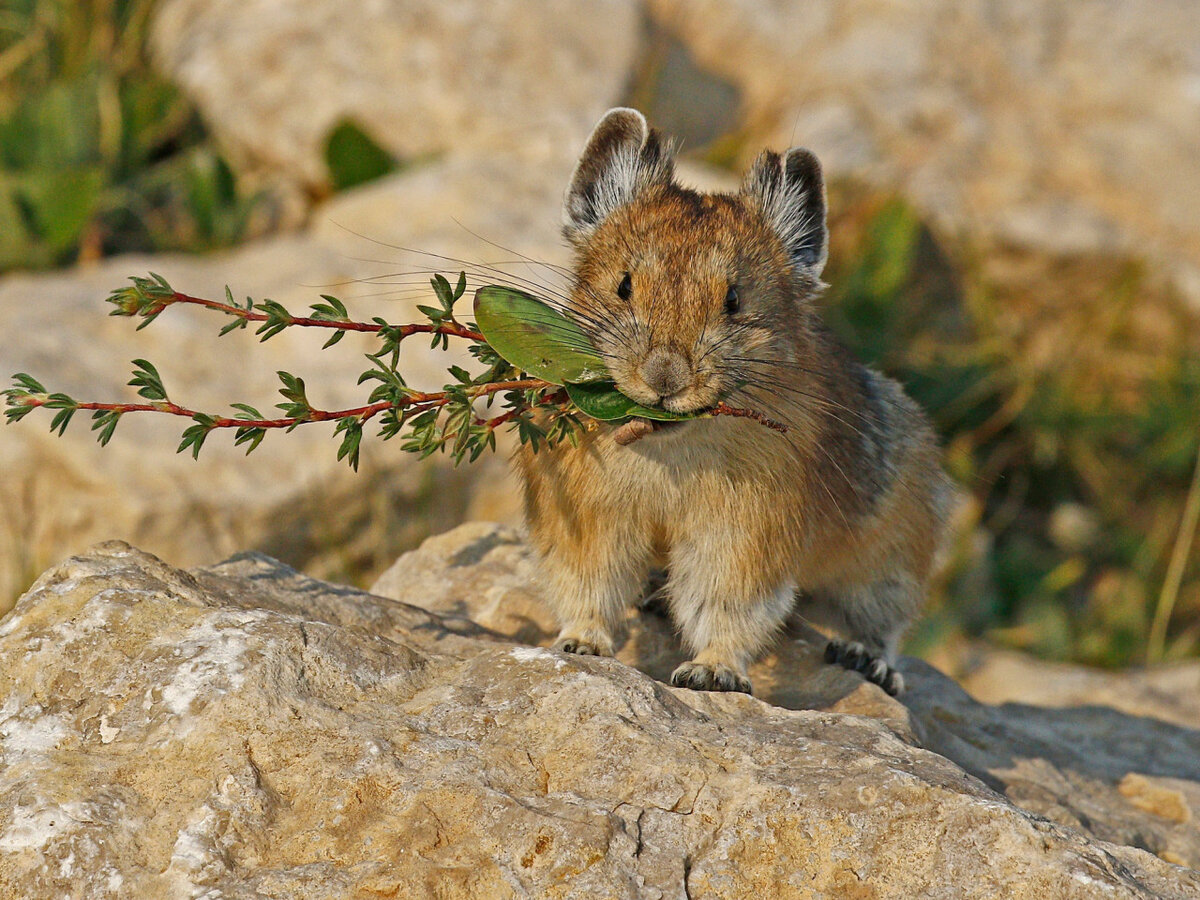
(365, 412)
(451, 328)
(739, 413)
(441, 398)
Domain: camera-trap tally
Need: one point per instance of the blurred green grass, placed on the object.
(99, 154)
(1070, 421)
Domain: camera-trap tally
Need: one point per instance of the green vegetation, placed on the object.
(1070, 422)
(98, 154)
(535, 360)
(353, 158)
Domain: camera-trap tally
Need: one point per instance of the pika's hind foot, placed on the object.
(700, 677)
(854, 656)
(583, 647)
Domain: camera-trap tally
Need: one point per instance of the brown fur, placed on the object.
(845, 507)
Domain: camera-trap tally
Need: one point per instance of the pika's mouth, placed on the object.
(637, 428)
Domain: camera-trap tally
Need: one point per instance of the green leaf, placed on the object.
(247, 412)
(353, 157)
(61, 419)
(297, 406)
(105, 422)
(56, 204)
(530, 433)
(278, 319)
(16, 411)
(603, 401)
(28, 383)
(250, 434)
(194, 435)
(147, 380)
(535, 338)
(444, 292)
(350, 440)
(334, 310)
(233, 326)
(55, 128)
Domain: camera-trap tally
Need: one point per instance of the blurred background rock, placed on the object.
(1013, 193)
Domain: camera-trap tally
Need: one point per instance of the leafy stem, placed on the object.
(147, 298)
(539, 410)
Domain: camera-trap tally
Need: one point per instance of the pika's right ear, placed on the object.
(791, 193)
(623, 157)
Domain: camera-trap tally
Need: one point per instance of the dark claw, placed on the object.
(697, 677)
(581, 648)
(855, 657)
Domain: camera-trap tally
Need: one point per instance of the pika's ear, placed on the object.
(791, 193)
(623, 157)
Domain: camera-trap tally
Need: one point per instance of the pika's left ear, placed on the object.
(791, 192)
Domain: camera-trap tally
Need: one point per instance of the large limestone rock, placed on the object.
(518, 78)
(1117, 755)
(245, 731)
(1061, 128)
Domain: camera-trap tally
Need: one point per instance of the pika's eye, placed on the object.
(625, 288)
(732, 301)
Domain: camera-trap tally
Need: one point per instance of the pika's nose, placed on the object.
(665, 371)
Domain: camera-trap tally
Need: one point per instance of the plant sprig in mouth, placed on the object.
(538, 367)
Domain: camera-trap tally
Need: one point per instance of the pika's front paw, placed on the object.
(582, 647)
(854, 656)
(700, 677)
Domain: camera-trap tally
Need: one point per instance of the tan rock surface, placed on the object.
(246, 731)
(1064, 128)
(523, 78)
(1115, 764)
(1168, 692)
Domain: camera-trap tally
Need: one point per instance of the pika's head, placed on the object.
(690, 295)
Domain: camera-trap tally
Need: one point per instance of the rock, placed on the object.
(1169, 692)
(518, 78)
(1007, 126)
(244, 730)
(1111, 756)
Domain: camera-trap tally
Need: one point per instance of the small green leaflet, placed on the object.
(603, 401)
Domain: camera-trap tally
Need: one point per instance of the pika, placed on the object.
(694, 298)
